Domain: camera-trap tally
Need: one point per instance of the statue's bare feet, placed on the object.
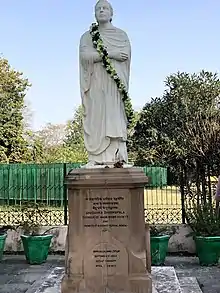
(127, 165)
(89, 165)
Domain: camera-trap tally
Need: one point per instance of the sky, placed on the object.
(41, 39)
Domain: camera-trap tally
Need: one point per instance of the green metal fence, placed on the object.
(35, 182)
(163, 200)
(157, 176)
(43, 183)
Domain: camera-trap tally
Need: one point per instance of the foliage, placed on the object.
(27, 114)
(36, 148)
(13, 89)
(59, 143)
(32, 215)
(74, 138)
(130, 147)
(203, 218)
(52, 134)
(62, 154)
(47, 144)
(156, 230)
(181, 128)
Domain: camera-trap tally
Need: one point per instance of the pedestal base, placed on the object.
(119, 284)
(106, 233)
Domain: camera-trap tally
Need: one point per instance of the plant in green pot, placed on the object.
(3, 236)
(159, 239)
(36, 245)
(204, 220)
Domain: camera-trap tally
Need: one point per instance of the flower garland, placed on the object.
(99, 46)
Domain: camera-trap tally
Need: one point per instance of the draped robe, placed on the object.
(104, 122)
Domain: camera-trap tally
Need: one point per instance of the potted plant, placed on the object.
(3, 235)
(204, 220)
(36, 245)
(159, 239)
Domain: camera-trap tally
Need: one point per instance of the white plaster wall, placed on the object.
(178, 242)
(14, 244)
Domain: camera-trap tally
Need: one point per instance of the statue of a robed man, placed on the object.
(103, 88)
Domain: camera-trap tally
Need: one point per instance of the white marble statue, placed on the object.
(105, 122)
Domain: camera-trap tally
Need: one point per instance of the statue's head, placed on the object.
(103, 11)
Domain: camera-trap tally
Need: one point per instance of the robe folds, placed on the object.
(104, 121)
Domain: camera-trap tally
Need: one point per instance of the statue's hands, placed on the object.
(119, 56)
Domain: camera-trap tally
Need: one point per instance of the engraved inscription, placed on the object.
(105, 212)
(106, 258)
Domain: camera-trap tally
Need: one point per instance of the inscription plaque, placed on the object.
(105, 212)
(106, 258)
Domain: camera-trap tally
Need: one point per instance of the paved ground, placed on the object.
(208, 277)
(16, 276)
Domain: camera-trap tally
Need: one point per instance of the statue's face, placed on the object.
(103, 12)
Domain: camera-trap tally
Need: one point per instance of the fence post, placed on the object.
(182, 198)
(64, 193)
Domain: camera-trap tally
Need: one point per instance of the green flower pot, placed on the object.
(159, 247)
(36, 248)
(2, 245)
(208, 249)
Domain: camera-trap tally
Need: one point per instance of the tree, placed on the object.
(47, 144)
(52, 135)
(129, 112)
(74, 139)
(163, 120)
(27, 115)
(13, 88)
(74, 135)
(59, 143)
(131, 130)
(181, 129)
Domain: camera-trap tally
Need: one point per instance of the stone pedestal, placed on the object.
(106, 233)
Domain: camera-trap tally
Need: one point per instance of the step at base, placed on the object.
(189, 285)
(164, 281)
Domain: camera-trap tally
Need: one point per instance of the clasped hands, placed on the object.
(118, 55)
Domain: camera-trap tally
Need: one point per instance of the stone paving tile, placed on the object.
(208, 277)
(16, 276)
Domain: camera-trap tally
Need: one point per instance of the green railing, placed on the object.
(40, 183)
(43, 183)
(35, 182)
